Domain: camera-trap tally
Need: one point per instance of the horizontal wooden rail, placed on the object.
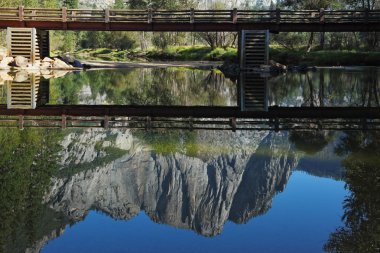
(73, 15)
(207, 18)
(187, 123)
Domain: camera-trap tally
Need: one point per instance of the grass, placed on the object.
(191, 53)
(179, 53)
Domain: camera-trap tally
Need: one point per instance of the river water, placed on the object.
(170, 190)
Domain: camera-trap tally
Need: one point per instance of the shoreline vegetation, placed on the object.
(204, 53)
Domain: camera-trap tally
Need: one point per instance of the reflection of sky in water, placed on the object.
(300, 220)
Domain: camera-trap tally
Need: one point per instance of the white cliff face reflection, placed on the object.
(193, 180)
(196, 181)
(176, 189)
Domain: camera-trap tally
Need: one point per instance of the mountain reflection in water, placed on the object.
(178, 178)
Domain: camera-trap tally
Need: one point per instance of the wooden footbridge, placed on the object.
(30, 26)
(191, 20)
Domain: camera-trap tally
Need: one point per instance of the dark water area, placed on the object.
(170, 190)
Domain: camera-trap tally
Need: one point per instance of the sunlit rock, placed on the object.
(45, 65)
(4, 63)
(59, 64)
(21, 61)
(47, 59)
(21, 76)
(4, 76)
(59, 73)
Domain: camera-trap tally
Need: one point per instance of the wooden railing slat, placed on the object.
(191, 16)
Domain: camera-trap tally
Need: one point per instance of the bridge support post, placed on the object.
(30, 43)
(43, 39)
(23, 94)
(253, 92)
(253, 49)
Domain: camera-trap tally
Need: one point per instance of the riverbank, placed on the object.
(96, 64)
(203, 53)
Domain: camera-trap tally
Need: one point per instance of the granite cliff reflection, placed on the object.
(176, 189)
(192, 184)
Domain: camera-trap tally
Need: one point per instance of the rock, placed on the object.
(77, 64)
(4, 76)
(21, 61)
(47, 59)
(45, 65)
(46, 73)
(59, 64)
(230, 69)
(35, 65)
(59, 73)
(68, 58)
(21, 76)
(4, 64)
(278, 67)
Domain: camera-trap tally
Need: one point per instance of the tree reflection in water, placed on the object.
(327, 87)
(310, 142)
(27, 163)
(361, 232)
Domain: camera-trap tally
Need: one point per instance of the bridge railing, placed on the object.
(190, 16)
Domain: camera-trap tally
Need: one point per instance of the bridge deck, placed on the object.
(191, 20)
(195, 111)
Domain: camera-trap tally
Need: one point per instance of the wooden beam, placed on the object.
(21, 13)
(195, 111)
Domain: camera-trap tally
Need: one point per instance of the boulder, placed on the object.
(58, 64)
(21, 61)
(45, 65)
(35, 65)
(4, 63)
(46, 72)
(47, 59)
(59, 73)
(4, 76)
(68, 58)
(277, 66)
(21, 76)
(77, 64)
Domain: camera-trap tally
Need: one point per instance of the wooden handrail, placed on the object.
(191, 16)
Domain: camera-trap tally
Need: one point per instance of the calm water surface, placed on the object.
(123, 190)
